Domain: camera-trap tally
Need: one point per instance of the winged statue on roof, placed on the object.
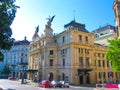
(50, 19)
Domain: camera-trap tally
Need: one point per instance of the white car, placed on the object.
(54, 83)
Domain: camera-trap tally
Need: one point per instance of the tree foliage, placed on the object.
(113, 53)
(7, 14)
(6, 70)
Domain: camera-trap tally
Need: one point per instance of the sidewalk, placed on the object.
(32, 83)
(28, 82)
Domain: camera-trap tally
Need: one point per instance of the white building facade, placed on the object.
(3, 63)
(18, 59)
(102, 34)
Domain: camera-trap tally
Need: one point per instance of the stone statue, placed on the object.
(37, 29)
(36, 33)
(50, 19)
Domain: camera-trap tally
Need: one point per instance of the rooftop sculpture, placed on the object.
(50, 19)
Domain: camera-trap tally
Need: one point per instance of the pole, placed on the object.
(22, 81)
(119, 81)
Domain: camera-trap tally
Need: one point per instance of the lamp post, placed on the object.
(23, 65)
(111, 73)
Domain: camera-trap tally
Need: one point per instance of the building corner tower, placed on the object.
(116, 8)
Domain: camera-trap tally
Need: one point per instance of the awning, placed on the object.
(32, 70)
(84, 69)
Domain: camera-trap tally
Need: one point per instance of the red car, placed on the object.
(45, 84)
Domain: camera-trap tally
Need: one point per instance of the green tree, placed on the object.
(6, 70)
(7, 14)
(113, 53)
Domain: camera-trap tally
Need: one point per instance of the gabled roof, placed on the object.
(75, 25)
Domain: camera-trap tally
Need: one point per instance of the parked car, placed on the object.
(65, 84)
(45, 84)
(56, 84)
(12, 78)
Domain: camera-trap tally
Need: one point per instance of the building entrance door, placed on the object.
(87, 79)
(81, 79)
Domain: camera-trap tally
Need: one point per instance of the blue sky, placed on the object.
(92, 13)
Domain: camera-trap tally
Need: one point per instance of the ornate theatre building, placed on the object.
(70, 55)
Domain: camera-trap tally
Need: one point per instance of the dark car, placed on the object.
(45, 84)
(56, 84)
(65, 84)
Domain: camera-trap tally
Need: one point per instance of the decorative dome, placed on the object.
(23, 42)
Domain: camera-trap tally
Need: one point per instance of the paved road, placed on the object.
(16, 85)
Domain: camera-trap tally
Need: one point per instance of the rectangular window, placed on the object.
(86, 39)
(80, 37)
(103, 63)
(107, 63)
(99, 74)
(63, 39)
(81, 60)
(51, 62)
(21, 54)
(98, 54)
(63, 51)
(51, 52)
(103, 55)
(79, 50)
(99, 64)
(63, 62)
(87, 61)
(86, 51)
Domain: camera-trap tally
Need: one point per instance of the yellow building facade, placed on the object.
(70, 55)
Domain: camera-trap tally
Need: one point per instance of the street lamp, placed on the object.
(23, 65)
